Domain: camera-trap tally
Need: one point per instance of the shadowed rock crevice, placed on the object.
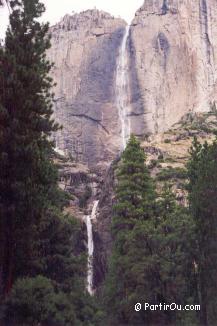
(92, 119)
(102, 231)
(205, 28)
(164, 8)
(138, 126)
(96, 98)
(162, 47)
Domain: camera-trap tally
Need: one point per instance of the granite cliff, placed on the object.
(171, 47)
(84, 50)
(174, 46)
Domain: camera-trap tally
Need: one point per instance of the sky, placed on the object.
(56, 9)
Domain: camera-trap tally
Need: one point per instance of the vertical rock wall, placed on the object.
(172, 65)
(174, 50)
(84, 50)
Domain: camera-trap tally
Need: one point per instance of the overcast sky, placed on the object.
(58, 8)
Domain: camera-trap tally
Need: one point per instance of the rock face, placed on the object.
(173, 49)
(84, 49)
(102, 235)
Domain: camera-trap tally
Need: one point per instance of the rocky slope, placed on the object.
(173, 48)
(167, 154)
(84, 50)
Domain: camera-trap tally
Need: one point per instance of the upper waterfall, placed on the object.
(122, 88)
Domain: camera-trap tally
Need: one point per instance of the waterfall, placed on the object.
(122, 99)
(90, 244)
(59, 151)
(122, 89)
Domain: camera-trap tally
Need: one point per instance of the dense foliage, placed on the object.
(42, 267)
(154, 249)
(202, 169)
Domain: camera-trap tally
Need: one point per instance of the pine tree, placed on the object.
(27, 177)
(202, 170)
(176, 250)
(37, 241)
(135, 191)
(134, 207)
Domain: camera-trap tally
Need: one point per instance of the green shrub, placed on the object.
(34, 301)
(169, 160)
(169, 173)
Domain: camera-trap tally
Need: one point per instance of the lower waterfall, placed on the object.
(90, 244)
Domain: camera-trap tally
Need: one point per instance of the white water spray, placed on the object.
(122, 89)
(90, 245)
(59, 151)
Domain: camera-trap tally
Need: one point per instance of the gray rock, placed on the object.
(84, 49)
(174, 44)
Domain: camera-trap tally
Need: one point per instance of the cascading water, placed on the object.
(122, 89)
(90, 245)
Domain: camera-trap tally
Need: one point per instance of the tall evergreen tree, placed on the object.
(39, 254)
(176, 249)
(134, 206)
(135, 190)
(202, 169)
(28, 177)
